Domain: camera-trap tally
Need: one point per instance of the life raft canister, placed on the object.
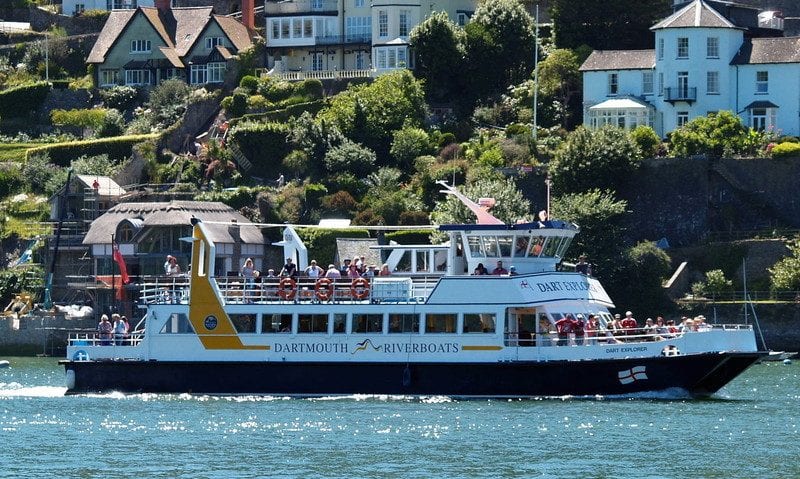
(287, 288)
(323, 288)
(359, 288)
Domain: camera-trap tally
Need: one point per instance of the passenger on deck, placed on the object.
(105, 328)
(578, 327)
(512, 270)
(332, 272)
(171, 267)
(649, 329)
(345, 268)
(248, 273)
(480, 270)
(660, 329)
(352, 271)
(521, 247)
(700, 324)
(591, 329)
(270, 273)
(370, 272)
(313, 271)
(564, 327)
(582, 266)
(384, 270)
(289, 269)
(120, 329)
(629, 324)
(499, 270)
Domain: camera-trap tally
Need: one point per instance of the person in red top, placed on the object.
(499, 270)
(565, 326)
(578, 327)
(629, 324)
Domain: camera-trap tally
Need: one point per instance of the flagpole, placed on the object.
(113, 289)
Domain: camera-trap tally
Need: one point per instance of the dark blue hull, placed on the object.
(699, 375)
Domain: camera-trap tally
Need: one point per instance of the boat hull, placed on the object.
(699, 375)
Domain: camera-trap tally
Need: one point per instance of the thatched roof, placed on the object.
(173, 213)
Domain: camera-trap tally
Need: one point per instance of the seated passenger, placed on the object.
(480, 270)
(332, 272)
(499, 270)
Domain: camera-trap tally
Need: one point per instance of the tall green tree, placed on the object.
(560, 81)
(785, 274)
(439, 47)
(600, 23)
(499, 46)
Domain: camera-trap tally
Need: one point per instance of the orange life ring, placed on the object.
(359, 288)
(287, 288)
(323, 288)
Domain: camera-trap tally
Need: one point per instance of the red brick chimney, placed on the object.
(163, 4)
(249, 14)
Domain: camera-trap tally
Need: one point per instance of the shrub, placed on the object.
(311, 89)
(786, 150)
(11, 180)
(350, 157)
(408, 144)
(264, 144)
(314, 194)
(238, 105)
(113, 125)
(91, 118)
(716, 134)
(341, 203)
(249, 82)
(119, 97)
(19, 101)
(647, 140)
(62, 154)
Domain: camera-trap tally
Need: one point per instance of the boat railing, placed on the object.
(103, 339)
(603, 336)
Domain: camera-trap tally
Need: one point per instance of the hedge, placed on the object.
(407, 237)
(283, 115)
(20, 101)
(321, 242)
(786, 150)
(264, 144)
(117, 148)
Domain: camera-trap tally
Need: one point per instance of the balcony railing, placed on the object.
(673, 95)
(283, 7)
(320, 74)
(343, 39)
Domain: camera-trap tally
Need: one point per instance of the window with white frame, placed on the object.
(212, 42)
(79, 8)
(660, 48)
(647, 83)
(682, 118)
(285, 27)
(358, 28)
(712, 83)
(297, 28)
(613, 83)
(392, 57)
(712, 47)
(405, 22)
(758, 119)
(360, 61)
(109, 77)
(276, 29)
(317, 61)
(762, 82)
(198, 74)
(381, 58)
(383, 23)
(683, 47)
(661, 84)
(317, 5)
(140, 46)
(461, 19)
(216, 72)
(359, 3)
(137, 77)
(308, 28)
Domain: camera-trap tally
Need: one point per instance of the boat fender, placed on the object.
(287, 289)
(4, 364)
(70, 379)
(359, 288)
(323, 288)
(787, 361)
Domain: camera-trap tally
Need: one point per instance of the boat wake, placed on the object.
(13, 389)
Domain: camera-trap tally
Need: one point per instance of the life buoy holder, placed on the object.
(323, 288)
(359, 288)
(287, 288)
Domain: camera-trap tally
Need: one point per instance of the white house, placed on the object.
(703, 62)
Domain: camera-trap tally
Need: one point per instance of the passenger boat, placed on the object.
(429, 328)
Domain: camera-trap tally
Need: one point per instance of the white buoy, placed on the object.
(787, 361)
(4, 364)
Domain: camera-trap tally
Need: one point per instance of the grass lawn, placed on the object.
(15, 151)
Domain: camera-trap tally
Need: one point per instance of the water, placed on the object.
(749, 430)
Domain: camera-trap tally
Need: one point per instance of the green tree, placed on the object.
(715, 284)
(438, 43)
(647, 140)
(387, 197)
(600, 217)
(598, 23)
(785, 274)
(167, 102)
(638, 284)
(390, 102)
(499, 46)
(559, 80)
(717, 134)
(350, 157)
(602, 158)
(408, 144)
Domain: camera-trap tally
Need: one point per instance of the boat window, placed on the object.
(505, 243)
(244, 323)
(178, 323)
(551, 247)
(312, 323)
(403, 323)
(565, 242)
(521, 246)
(479, 323)
(422, 260)
(536, 246)
(440, 323)
(339, 322)
(276, 323)
(367, 323)
(490, 246)
(475, 246)
(404, 264)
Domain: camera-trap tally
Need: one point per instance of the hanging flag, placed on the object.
(123, 268)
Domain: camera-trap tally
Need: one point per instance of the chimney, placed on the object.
(163, 4)
(248, 14)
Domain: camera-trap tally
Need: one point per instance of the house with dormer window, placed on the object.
(704, 61)
(148, 45)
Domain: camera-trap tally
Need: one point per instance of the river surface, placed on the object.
(749, 430)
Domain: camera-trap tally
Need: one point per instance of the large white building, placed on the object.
(353, 35)
(76, 7)
(703, 62)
